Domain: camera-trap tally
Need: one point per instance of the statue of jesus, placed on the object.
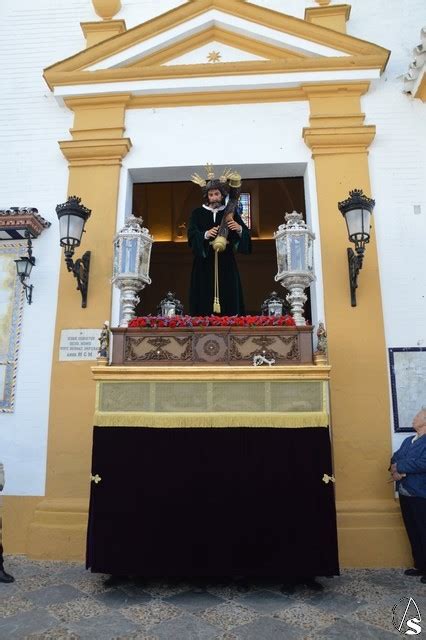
(216, 232)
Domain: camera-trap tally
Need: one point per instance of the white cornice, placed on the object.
(216, 83)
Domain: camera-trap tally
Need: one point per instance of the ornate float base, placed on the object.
(236, 346)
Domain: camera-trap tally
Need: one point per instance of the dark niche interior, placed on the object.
(166, 207)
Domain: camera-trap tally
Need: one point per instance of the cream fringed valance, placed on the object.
(213, 420)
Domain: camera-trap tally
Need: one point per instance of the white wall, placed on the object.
(33, 172)
(398, 171)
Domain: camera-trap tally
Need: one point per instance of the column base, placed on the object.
(58, 530)
(372, 534)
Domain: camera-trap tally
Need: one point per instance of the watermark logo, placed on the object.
(406, 617)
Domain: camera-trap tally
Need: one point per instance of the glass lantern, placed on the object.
(72, 216)
(274, 305)
(132, 252)
(170, 306)
(357, 210)
(294, 245)
(168, 309)
(132, 257)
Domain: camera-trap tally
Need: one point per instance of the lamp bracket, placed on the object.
(28, 290)
(80, 270)
(355, 266)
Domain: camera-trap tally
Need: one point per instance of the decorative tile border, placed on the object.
(11, 308)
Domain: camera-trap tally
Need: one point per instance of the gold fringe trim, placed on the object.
(213, 420)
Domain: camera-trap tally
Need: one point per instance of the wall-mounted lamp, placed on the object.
(72, 216)
(23, 223)
(24, 265)
(356, 210)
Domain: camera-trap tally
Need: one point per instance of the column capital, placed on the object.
(95, 152)
(339, 140)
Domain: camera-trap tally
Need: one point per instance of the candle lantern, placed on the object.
(132, 256)
(294, 245)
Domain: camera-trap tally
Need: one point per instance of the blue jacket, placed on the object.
(411, 459)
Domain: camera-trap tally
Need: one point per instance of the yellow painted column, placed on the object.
(58, 526)
(369, 523)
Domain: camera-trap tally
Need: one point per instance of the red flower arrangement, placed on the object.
(153, 322)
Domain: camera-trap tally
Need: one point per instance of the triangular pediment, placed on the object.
(203, 42)
(230, 46)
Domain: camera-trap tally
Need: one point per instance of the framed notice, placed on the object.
(408, 383)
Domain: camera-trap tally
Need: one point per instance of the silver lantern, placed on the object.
(294, 244)
(132, 256)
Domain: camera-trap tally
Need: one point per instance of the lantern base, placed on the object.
(354, 266)
(80, 270)
(129, 299)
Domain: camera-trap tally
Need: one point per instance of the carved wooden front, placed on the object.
(272, 347)
(159, 348)
(211, 346)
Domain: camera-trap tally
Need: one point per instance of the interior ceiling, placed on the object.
(247, 171)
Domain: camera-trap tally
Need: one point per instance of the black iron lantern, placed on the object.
(24, 265)
(357, 211)
(72, 216)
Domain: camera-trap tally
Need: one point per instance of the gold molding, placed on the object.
(96, 32)
(249, 45)
(110, 132)
(330, 10)
(332, 17)
(107, 151)
(251, 12)
(335, 89)
(339, 140)
(337, 120)
(306, 91)
(244, 96)
(99, 102)
(252, 67)
(125, 374)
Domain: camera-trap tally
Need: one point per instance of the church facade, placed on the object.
(104, 96)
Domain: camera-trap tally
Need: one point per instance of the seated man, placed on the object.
(408, 469)
(215, 281)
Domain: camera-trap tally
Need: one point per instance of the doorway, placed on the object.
(166, 207)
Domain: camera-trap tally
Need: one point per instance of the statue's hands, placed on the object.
(212, 233)
(234, 226)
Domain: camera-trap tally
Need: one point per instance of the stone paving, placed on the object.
(62, 601)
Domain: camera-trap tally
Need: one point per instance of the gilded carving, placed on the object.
(275, 347)
(158, 348)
